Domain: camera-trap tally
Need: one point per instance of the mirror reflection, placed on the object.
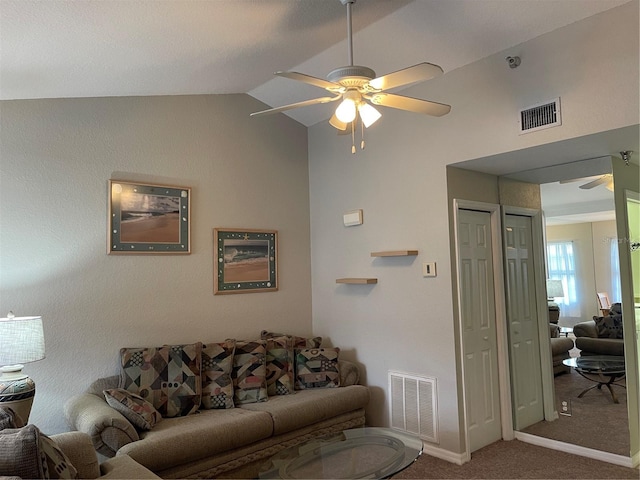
(585, 318)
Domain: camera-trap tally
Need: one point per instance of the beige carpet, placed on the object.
(595, 422)
(517, 459)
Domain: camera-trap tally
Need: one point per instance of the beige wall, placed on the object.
(406, 321)
(57, 156)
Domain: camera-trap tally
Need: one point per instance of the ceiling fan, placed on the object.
(358, 88)
(606, 180)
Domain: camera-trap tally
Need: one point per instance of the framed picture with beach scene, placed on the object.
(245, 260)
(148, 219)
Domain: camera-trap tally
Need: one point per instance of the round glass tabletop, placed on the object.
(356, 453)
(605, 364)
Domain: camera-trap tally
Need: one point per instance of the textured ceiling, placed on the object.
(92, 48)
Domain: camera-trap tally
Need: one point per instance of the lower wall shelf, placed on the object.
(357, 281)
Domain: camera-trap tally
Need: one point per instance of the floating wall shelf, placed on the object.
(357, 281)
(395, 253)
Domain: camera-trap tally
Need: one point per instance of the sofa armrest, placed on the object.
(78, 447)
(586, 329)
(349, 373)
(108, 429)
(123, 466)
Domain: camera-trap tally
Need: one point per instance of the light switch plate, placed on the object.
(429, 269)
(351, 219)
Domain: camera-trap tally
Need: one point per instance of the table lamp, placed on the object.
(554, 289)
(21, 341)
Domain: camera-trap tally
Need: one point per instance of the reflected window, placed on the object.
(616, 294)
(561, 265)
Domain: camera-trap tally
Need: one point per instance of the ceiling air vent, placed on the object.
(542, 115)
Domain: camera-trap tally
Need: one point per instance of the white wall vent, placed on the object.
(414, 405)
(542, 115)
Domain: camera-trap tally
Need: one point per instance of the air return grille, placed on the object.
(543, 115)
(414, 405)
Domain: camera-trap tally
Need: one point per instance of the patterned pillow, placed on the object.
(217, 365)
(249, 372)
(168, 377)
(280, 365)
(134, 408)
(57, 463)
(9, 419)
(298, 342)
(609, 326)
(317, 368)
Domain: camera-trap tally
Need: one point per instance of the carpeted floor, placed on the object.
(515, 459)
(595, 422)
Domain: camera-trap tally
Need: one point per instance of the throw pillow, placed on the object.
(58, 464)
(609, 326)
(217, 365)
(298, 342)
(249, 372)
(19, 453)
(28, 453)
(168, 377)
(9, 419)
(317, 368)
(134, 408)
(280, 363)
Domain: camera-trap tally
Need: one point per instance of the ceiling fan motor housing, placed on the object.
(351, 76)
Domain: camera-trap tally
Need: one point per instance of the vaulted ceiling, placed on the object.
(93, 48)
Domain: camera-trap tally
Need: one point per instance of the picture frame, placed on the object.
(245, 260)
(148, 218)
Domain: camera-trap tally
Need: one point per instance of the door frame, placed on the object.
(501, 323)
(539, 271)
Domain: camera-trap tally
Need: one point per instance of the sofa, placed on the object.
(25, 452)
(602, 335)
(229, 442)
(560, 347)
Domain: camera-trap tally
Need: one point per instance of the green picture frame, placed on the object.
(148, 218)
(245, 260)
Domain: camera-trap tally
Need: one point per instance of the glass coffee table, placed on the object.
(601, 369)
(356, 453)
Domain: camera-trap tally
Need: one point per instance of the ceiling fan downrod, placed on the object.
(348, 4)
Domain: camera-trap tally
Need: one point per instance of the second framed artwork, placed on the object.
(245, 260)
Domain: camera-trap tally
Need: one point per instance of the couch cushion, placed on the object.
(217, 365)
(600, 346)
(280, 361)
(307, 407)
(317, 368)
(176, 441)
(134, 408)
(298, 342)
(609, 326)
(168, 377)
(250, 372)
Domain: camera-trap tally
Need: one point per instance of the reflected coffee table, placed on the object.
(601, 369)
(356, 453)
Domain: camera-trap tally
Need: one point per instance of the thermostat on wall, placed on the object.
(352, 218)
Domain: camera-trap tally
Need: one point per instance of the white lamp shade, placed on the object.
(346, 111)
(21, 340)
(368, 114)
(554, 289)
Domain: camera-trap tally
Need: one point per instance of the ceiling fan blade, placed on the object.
(409, 104)
(603, 179)
(417, 73)
(314, 101)
(315, 81)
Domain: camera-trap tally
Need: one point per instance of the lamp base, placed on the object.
(17, 392)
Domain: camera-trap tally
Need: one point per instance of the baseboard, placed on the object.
(457, 458)
(577, 450)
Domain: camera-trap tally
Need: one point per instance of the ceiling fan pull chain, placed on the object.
(362, 143)
(353, 137)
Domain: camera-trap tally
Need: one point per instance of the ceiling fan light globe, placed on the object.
(368, 114)
(337, 124)
(346, 111)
